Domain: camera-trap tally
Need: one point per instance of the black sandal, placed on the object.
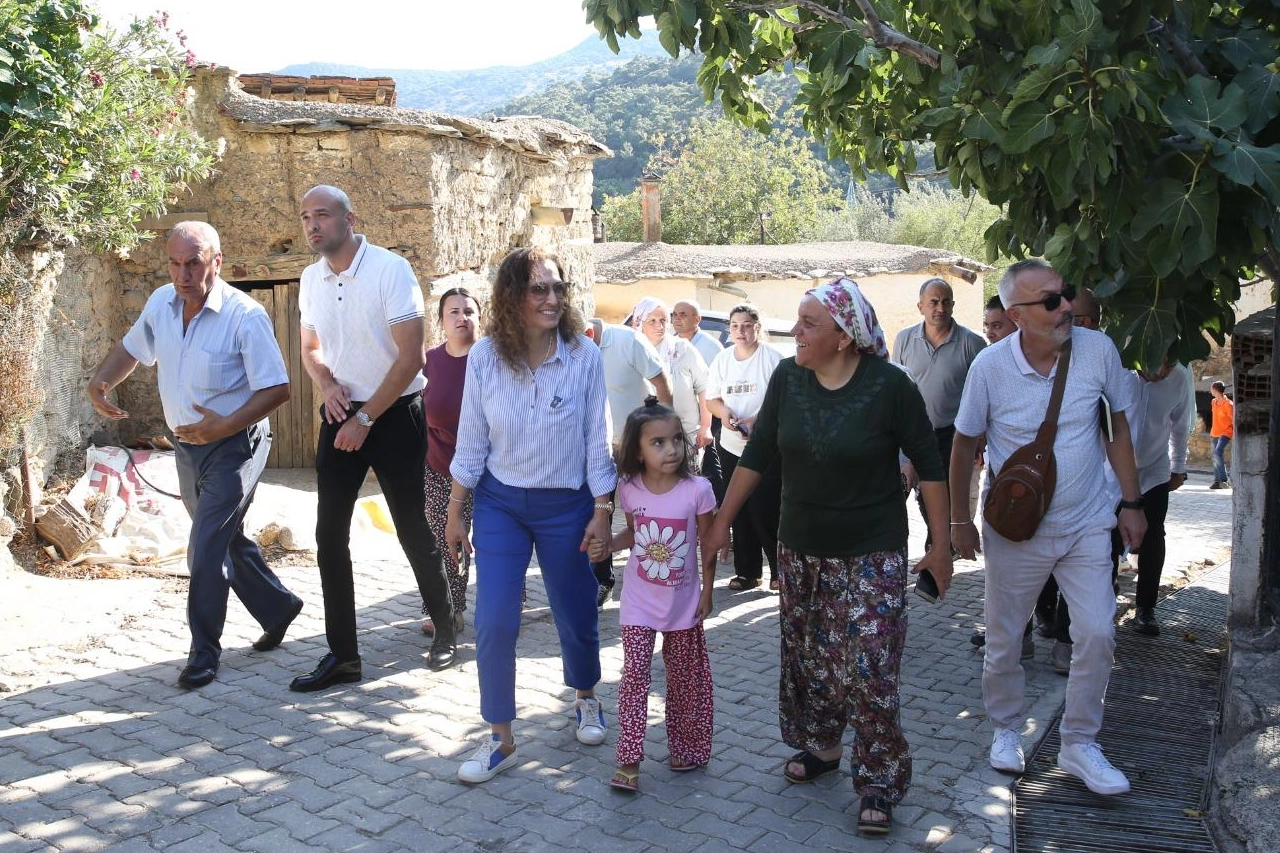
(814, 767)
(739, 583)
(867, 826)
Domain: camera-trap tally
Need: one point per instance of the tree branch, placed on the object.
(886, 36)
(1181, 52)
(872, 26)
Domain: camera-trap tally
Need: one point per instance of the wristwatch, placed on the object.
(607, 507)
(1131, 504)
(362, 418)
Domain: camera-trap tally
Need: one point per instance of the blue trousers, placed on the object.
(1220, 443)
(509, 525)
(217, 482)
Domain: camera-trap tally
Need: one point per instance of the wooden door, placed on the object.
(296, 424)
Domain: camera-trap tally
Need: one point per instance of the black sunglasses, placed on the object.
(541, 290)
(1053, 300)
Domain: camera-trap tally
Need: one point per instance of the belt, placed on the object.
(402, 401)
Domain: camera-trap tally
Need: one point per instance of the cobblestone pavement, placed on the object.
(99, 748)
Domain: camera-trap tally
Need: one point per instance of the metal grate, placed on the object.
(1162, 713)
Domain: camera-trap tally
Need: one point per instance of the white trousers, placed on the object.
(1015, 572)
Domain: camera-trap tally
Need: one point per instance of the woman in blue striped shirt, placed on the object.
(533, 451)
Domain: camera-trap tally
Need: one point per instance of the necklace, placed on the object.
(551, 342)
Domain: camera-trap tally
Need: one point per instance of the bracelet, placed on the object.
(1138, 504)
(457, 500)
(607, 507)
(961, 523)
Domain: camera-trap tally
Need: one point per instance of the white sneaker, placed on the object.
(1086, 762)
(1006, 751)
(487, 762)
(591, 724)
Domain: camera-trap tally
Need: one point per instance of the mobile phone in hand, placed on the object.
(927, 587)
(464, 560)
(742, 428)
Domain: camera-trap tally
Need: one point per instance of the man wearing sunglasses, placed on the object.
(362, 332)
(1006, 397)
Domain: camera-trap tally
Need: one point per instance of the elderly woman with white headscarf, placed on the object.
(837, 415)
(684, 364)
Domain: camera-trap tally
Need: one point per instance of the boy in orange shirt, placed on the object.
(1222, 431)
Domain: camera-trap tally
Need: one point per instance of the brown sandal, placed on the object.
(625, 780)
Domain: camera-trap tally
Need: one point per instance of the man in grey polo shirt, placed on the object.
(937, 353)
(1006, 398)
(362, 332)
(220, 374)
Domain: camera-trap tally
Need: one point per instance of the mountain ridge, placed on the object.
(479, 91)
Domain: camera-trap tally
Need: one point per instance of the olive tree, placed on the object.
(1133, 143)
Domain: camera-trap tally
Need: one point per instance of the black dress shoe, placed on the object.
(275, 636)
(330, 671)
(1144, 622)
(442, 654)
(196, 676)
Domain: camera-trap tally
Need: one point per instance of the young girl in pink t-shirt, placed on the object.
(668, 510)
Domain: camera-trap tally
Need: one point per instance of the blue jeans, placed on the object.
(509, 524)
(1220, 443)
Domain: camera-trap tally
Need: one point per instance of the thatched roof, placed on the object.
(625, 262)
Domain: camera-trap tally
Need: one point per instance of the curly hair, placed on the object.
(630, 465)
(506, 327)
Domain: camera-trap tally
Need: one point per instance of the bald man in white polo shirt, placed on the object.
(362, 334)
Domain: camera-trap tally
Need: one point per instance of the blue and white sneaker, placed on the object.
(487, 762)
(591, 724)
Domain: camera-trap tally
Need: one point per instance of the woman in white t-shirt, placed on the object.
(685, 368)
(736, 382)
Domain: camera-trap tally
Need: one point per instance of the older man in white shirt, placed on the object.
(1006, 397)
(220, 374)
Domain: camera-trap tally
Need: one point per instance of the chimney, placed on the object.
(651, 207)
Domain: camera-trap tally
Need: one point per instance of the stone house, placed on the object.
(452, 195)
(774, 278)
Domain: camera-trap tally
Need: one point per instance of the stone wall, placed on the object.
(452, 195)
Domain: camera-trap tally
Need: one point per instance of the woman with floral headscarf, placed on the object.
(685, 367)
(837, 415)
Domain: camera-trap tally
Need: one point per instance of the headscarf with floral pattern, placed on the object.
(853, 314)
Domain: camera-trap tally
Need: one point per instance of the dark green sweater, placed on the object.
(841, 483)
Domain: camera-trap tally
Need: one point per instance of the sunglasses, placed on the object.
(541, 289)
(1053, 300)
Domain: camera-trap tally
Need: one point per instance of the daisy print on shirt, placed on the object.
(665, 551)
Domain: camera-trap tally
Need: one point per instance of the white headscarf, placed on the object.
(669, 347)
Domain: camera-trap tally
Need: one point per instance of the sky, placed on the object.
(444, 35)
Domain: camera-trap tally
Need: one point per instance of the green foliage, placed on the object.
(933, 216)
(90, 132)
(630, 109)
(1133, 143)
(716, 186)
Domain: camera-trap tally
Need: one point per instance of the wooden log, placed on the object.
(67, 529)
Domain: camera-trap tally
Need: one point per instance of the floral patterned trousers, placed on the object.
(689, 703)
(844, 624)
(437, 488)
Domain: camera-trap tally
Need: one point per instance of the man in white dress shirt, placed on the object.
(220, 375)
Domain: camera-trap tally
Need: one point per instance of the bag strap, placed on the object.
(1049, 428)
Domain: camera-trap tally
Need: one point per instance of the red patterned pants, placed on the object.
(689, 703)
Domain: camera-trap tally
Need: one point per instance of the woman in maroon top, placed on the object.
(446, 368)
